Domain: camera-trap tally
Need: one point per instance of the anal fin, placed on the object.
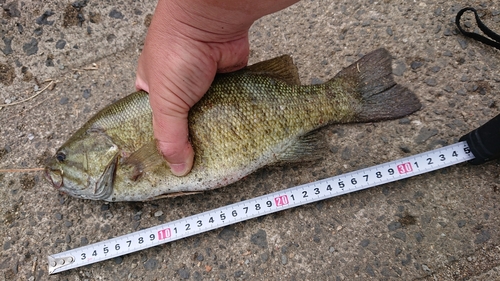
(174, 194)
(308, 147)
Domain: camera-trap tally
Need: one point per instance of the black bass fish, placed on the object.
(248, 119)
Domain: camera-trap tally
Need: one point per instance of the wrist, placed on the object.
(224, 20)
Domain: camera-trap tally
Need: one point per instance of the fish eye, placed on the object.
(60, 156)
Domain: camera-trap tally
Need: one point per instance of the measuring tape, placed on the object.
(260, 206)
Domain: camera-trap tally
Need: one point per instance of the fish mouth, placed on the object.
(55, 177)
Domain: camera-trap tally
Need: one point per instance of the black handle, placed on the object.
(484, 142)
(496, 38)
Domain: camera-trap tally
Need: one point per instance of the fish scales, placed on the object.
(259, 117)
(248, 119)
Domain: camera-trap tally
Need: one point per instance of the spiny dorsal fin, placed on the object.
(281, 68)
(146, 158)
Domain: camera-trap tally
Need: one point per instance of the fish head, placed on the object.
(84, 166)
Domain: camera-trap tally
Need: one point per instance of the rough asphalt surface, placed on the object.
(442, 225)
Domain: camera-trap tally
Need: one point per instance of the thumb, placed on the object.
(170, 126)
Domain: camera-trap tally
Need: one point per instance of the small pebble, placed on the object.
(425, 134)
(435, 69)
(463, 43)
(404, 120)
(31, 47)
(199, 257)
(397, 251)
(483, 236)
(183, 273)
(158, 213)
(405, 149)
(438, 12)
(316, 81)
(63, 100)
(399, 68)
(389, 31)
(115, 14)
(394, 225)
(38, 31)
(284, 259)
(369, 270)
(447, 54)
(400, 235)
(60, 44)
(20, 28)
(84, 241)
(31, 136)
(43, 19)
(461, 92)
(106, 228)
(364, 243)
(426, 268)
(8, 101)
(431, 82)
(416, 64)
(86, 93)
(151, 264)
(264, 257)
(259, 239)
(346, 154)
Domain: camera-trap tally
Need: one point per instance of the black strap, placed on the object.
(496, 38)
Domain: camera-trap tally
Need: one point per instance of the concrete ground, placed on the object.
(442, 225)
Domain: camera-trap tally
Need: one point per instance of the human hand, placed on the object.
(187, 43)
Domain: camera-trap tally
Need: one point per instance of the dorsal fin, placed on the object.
(146, 158)
(281, 68)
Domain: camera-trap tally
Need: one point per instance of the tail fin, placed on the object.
(381, 97)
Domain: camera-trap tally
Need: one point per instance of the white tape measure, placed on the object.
(260, 206)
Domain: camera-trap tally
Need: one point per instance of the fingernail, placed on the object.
(179, 169)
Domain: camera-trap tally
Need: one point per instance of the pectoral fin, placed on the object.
(147, 158)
